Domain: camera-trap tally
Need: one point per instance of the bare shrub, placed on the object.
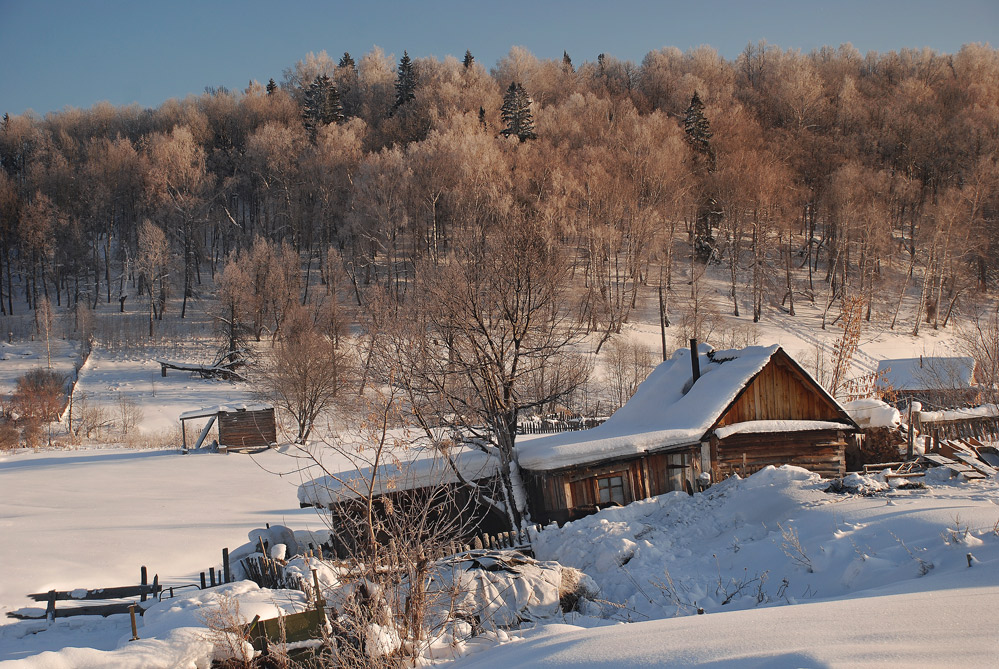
(38, 395)
(89, 419)
(129, 413)
(791, 546)
(9, 437)
(228, 633)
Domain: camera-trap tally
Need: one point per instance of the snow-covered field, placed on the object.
(880, 579)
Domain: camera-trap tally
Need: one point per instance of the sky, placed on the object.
(58, 53)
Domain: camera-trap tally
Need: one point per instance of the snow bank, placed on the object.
(871, 412)
(984, 411)
(776, 538)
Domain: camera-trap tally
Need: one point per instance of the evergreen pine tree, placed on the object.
(322, 105)
(405, 85)
(271, 87)
(468, 59)
(698, 130)
(516, 113)
(347, 61)
(567, 62)
(698, 136)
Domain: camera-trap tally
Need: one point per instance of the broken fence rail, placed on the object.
(142, 591)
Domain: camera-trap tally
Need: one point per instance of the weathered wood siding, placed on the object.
(820, 451)
(573, 493)
(779, 392)
(247, 429)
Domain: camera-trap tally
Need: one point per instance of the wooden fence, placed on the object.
(555, 426)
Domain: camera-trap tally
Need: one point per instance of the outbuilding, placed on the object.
(696, 419)
(240, 426)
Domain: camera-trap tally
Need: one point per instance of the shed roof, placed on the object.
(425, 468)
(667, 410)
(223, 408)
(927, 373)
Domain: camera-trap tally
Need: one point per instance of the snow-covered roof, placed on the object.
(425, 469)
(665, 411)
(223, 408)
(983, 411)
(871, 412)
(925, 373)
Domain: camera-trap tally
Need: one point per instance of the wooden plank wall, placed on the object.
(822, 452)
(644, 476)
(779, 393)
(247, 429)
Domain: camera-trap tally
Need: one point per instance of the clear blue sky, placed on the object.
(55, 53)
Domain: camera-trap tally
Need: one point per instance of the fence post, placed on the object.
(225, 565)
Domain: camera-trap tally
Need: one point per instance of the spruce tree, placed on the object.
(347, 61)
(567, 62)
(322, 105)
(271, 87)
(698, 136)
(516, 113)
(405, 85)
(469, 59)
(482, 117)
(698, 130)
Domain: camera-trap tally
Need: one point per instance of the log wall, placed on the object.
(820, 451)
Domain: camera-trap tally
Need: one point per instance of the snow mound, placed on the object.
(871, 412)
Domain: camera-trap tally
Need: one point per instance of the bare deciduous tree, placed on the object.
(491, 319)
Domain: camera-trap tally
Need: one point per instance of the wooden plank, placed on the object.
(101, 593)
(976, 464)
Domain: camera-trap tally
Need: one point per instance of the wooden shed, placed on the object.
(693, 421)
(243, 426)
(936, 381)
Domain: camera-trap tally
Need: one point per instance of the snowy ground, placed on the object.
(91, 518)
(881, 579)
(889, 579)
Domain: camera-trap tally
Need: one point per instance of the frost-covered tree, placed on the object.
(516, 113)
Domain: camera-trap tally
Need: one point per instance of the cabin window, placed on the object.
(611, 489)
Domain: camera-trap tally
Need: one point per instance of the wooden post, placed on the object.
(225, 565)
(131, 614)
(50, 608)
(142, 581)
(936, 439)
(203, 583)
(908, 440)
(211, 575)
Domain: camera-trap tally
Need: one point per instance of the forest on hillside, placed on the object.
(800, 176)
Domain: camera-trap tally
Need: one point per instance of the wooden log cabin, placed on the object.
(696, 419)
(244, 426)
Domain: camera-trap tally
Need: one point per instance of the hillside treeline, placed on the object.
(802, 176)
